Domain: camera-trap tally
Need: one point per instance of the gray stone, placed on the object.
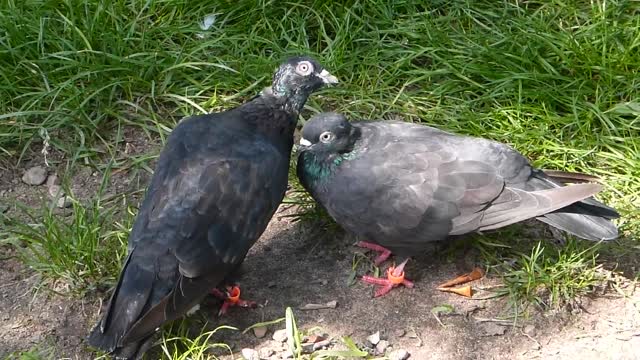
(250, 354)
(374, 338)
(399, 354)
(321, 344)
(64, 202)
(307, 348)
(492, 329)
(260, 331)
(53, 179)
(382, 346)
(280, 335)
(37, 175)
(55, 191)
(530, 330)
(266, 353)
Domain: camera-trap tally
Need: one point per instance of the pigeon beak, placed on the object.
(303, 145)
(327, 78)
(304, 142)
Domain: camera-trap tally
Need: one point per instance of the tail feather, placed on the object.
(129, 299)
(145, 298)
(570, 177)
(588, 219)
(585, 226)
(590, 206)
(516, 205)
(133, 350)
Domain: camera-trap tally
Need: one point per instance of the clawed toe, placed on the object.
(231, 298)
(395, 278)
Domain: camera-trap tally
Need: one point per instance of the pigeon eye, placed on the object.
(304, 68)
(326, 136)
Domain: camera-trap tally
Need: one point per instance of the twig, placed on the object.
(437, 319)
(598, 335)
(532, 339)
(417, 336)
(501, 321)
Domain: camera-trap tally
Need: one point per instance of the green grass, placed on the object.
(551, 278)
(558, 80)
(543, 275)
(177, 344)
(180, 342)
(35, 353)
(75, 254)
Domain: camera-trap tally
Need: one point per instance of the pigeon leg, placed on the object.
(384, 252)
(231, 298)
(395, 278)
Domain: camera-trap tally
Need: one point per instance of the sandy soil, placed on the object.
(293, 265)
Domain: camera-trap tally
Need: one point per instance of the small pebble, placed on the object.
(492, 329)
(37, 175)
(250, 354)
(64, 202)
(530, 330)
(55, 191)
(307, 348)
(313, 338)
(280, 335)
(330, 305)
(266, 353)
(399, 354)
(321, 344)
(382, 346)
(260, 331)
(399, 333)
(53, 179)
(374, 338)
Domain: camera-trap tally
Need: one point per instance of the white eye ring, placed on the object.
(304, 68)
(326, 137)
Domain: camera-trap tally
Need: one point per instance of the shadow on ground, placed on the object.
(294, 264)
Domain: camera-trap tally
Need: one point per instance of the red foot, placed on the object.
(384, 252)
(231, 298)
(395, 278)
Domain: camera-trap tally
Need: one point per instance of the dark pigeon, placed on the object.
(217, 184)
(402, 185)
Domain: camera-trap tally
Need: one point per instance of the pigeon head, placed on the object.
(328, 133)
(298, 77)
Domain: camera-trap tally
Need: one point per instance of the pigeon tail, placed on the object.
(131, 294)
(584, 226)
(132, 351)
(588, 219)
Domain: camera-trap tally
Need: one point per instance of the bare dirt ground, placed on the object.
(293, 265)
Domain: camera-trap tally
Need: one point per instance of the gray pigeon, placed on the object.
(401, 185)
(217, 184)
